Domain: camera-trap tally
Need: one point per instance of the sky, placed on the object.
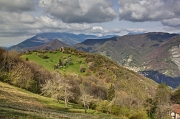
(22, 19)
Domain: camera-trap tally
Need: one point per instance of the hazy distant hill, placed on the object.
(165, 57)
(44, 38)
(53, 45)
(143, 52)
(129, 50)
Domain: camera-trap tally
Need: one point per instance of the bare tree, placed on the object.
(58, 88)
(85, 97)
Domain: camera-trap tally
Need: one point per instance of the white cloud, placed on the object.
(17, 24)
(16, 5)
(10, 18)
(139, 30)
(148, 10)
(174, 22)
(79, 11)
(97, 29)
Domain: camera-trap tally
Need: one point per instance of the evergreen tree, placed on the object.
(111, 93)
(60, 62)
(176, 96)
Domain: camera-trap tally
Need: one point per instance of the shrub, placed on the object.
(115, 110)
(27, 59)
(103, 106)
(139, 115)
(82, 69)
(124, 111)
(43, 56)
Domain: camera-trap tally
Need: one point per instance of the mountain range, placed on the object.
(44, 38)
(154, 55)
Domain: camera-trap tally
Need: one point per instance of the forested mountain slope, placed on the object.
(143, 52)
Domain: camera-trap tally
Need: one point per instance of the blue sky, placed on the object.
(22, 19)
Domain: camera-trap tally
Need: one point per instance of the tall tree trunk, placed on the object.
(66, 102)
(84, 101)
(85, 107)
(66, 98)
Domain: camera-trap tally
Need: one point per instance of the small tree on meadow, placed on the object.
(85, 97)
(58, 88)
(82, 68)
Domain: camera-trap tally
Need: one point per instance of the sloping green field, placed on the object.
(16, 103)
(53, 59)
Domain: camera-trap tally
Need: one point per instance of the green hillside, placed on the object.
(72, 66)
(81, 81)
(104, 69)
(16, 103)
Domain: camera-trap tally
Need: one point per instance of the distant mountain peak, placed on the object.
(55, 41)
(44, 38)
(53, 45)
(57, 44)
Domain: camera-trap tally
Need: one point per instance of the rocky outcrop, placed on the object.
(175, 53)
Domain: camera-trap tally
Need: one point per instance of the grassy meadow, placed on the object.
(16, 103)
(53, 59)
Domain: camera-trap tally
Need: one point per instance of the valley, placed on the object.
(143, 52)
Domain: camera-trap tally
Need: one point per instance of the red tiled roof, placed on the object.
(176, 108)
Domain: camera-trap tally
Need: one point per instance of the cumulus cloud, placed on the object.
(48, 22)
(9, 18)
(97, 29)
(16, 5)
(79, 11)
(174, 22)
(16, 24)
(148, 10)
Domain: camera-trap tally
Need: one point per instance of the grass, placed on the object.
(16, 103)
(53, 58)
(6, 113)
